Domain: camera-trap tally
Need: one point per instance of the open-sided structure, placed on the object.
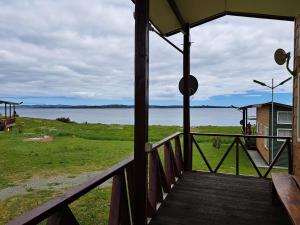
(139, 183)
(9, 118)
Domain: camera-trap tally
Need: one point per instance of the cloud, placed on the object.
(85, 49)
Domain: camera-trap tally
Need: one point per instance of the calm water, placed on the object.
(216, 117)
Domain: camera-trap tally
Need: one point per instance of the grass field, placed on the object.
(79, 148)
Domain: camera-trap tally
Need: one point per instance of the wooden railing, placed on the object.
(162, 175)
(57, 211)
(8, 122)
(239, 144)
(165, 167)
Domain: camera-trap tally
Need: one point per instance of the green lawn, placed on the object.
(78, 148)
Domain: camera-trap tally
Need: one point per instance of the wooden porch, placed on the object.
(205, 198)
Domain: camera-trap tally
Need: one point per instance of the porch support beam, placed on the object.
(177, 13)
(141, 70)
(186, 100)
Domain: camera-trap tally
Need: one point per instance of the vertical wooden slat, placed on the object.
(168, 164)
(176, 170)
(163, 178)
(153, 183)
(130, 186)
(62, 217)
(119, 208)
(290, 156)
(178, 153)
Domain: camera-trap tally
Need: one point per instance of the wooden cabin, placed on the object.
(148, 188)
(282, 127)
(8, 119)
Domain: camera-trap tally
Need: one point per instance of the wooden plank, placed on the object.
(62, 217)
(224, 156)
(289, 194)
(163, 178)
(282, 148)
(119, 208)
(208, 198)
(202, 155)
(169, 168)
(178, 153)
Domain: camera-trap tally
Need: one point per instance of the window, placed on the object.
(259, 128)
(266, 140)
(284, 117)
(284, 133)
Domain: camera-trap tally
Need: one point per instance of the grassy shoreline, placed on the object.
(78, 148)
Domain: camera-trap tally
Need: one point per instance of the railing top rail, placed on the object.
(44, 211)
(238, 135)
(163, 141)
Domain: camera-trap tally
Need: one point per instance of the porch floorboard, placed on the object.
(208, 199)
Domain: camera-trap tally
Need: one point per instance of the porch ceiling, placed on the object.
(196, 12)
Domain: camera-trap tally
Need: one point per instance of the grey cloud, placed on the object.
(85, 49)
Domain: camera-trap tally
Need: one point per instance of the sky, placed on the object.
(82, 52)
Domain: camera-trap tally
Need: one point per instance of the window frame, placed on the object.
(266, 140)
(289, 129)
(285, 112)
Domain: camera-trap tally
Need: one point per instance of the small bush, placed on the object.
(216, 142)
(19, 129)
(64, 119)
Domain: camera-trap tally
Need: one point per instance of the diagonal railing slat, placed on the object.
(202, 155)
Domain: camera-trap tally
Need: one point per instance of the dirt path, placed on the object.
(59, 183)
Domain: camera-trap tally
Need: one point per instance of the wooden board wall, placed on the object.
(296, 143)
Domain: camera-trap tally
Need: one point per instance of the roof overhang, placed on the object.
(196, 12)
(8, 103)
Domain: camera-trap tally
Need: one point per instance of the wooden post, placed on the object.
(186, 101)
(290, 156)
(237, 157)
(9, 110)
(244, 121)
(5, 109)
(141, 108)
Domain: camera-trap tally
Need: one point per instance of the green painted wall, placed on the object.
(283, 160)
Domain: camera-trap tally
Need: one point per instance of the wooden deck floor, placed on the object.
(215, 199)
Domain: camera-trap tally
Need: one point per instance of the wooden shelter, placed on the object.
(8, 120)
(141, 183)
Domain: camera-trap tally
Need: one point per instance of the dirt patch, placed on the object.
(39, 139)
(59, 183)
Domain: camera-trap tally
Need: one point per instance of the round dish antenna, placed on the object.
(193, 85)
(280, 56)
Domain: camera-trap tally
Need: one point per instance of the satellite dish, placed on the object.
(193, 85)
(280, 56)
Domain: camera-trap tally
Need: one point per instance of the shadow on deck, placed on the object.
(206, 198)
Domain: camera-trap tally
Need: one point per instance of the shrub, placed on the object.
(64, 119)
(216, 142)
